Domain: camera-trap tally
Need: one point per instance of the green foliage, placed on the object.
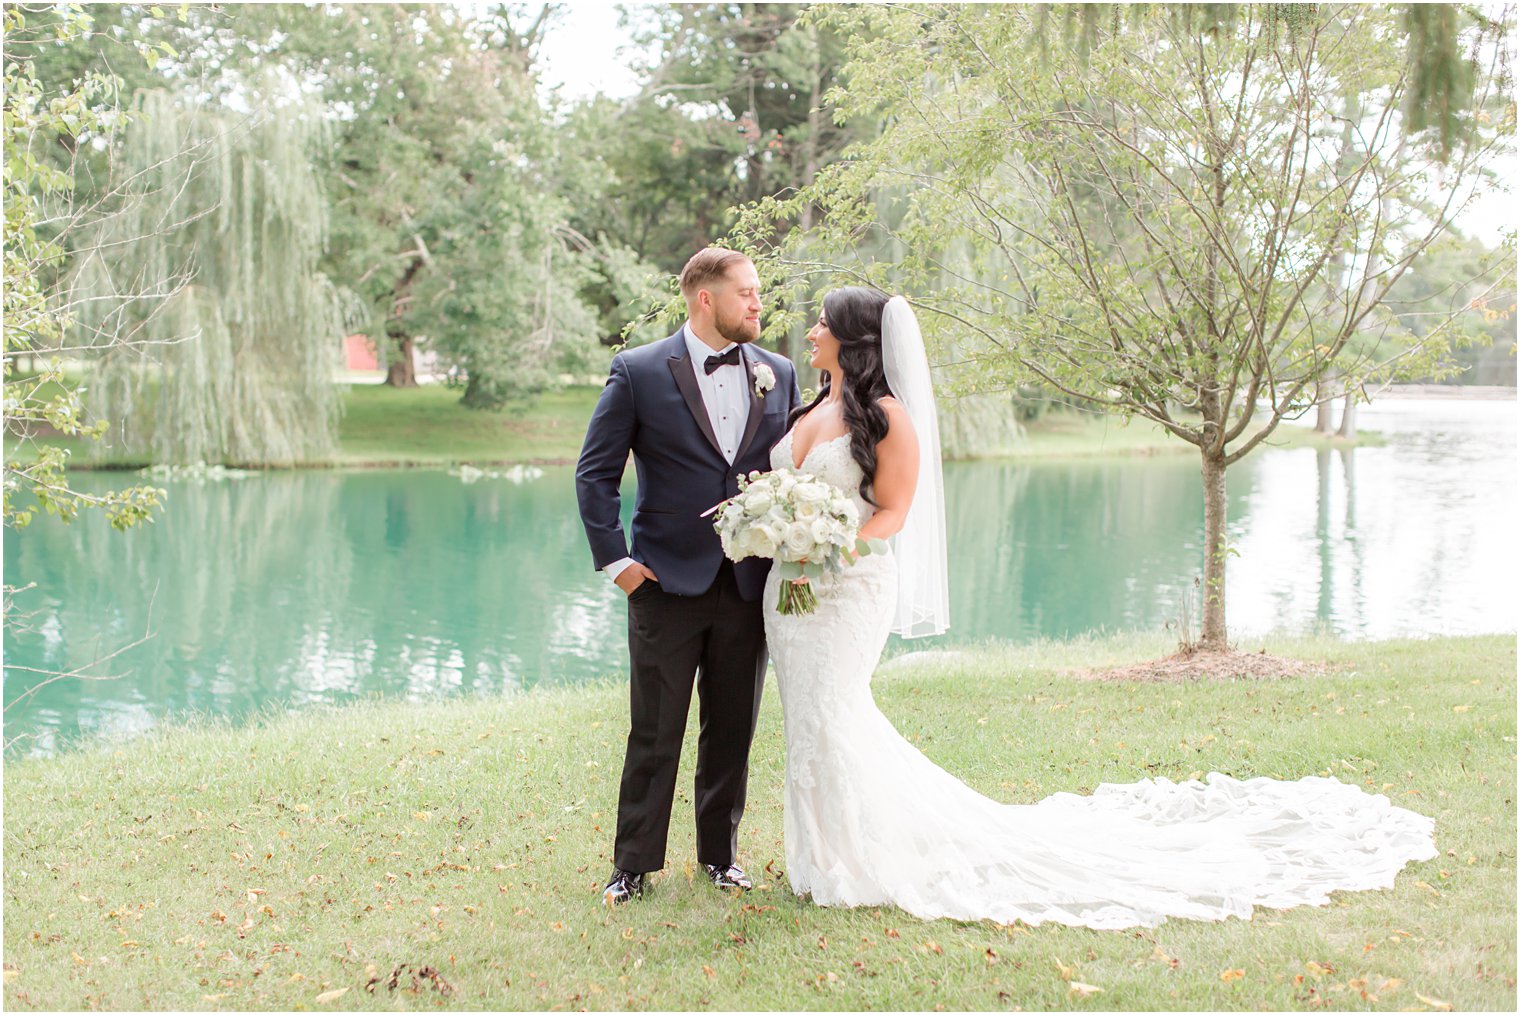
(36, 317)
(733, 110)
(232, 359)
(1441, 76)
(1191, 218)
(1453, 288)
(1440, 93)
(450, 217)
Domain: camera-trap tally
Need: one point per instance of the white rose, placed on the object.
(808, 509)
(774, 529)
(812, 493)
(799, 540)
(822, 530)
(765, 379)
(745, 545)
(758, 501)
(765, 541)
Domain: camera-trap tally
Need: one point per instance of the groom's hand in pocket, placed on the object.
(633, 576)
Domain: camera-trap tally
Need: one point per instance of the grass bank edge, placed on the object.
(427, 428)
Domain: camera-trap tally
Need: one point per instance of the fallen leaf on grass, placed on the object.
(1231, 975)
(331, 995)
(1067, 972)
(1084, 989)
(1433, 1002)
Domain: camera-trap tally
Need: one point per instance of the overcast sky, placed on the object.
(580, 53)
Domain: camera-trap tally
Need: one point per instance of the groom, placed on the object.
(697, 410)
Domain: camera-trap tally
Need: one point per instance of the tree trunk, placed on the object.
(402, 372)
(1323, 411)
(1215, 638)
(479, 394)
(1348, 417)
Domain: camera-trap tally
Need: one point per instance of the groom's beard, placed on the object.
(737, 329)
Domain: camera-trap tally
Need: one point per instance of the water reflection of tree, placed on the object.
(211, 586)
(304, 587)
(1349, 613)
(1325, 608)
(1055, 549)
(476, 594)
(1359, 616)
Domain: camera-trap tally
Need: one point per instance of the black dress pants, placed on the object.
(715, 642)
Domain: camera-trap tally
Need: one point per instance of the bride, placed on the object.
(870, 821)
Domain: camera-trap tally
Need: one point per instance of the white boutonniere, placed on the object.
(765, 379)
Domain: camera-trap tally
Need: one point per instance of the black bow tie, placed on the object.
(730, 358)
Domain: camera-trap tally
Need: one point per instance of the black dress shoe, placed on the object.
(732, 876)
(623, 886)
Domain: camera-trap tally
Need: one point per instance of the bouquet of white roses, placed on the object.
(806, 525)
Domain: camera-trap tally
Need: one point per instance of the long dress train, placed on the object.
(871, 821)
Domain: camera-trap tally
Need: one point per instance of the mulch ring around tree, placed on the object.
(1197, 665)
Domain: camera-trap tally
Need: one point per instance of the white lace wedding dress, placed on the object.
(871, 821)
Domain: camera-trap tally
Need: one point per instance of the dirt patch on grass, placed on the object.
(1184, 667)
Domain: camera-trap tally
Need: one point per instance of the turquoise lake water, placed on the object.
(289, 588)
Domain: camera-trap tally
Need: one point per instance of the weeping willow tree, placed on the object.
(236, 366)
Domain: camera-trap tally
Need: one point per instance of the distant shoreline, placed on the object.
(1471, 392)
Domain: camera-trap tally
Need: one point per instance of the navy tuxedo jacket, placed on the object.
(653, 407)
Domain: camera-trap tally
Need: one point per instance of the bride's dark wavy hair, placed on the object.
(854, 318)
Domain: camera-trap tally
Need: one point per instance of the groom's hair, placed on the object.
(707, 266)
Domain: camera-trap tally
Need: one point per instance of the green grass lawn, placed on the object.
(427, 427)
(449, 854)
(1070, 434)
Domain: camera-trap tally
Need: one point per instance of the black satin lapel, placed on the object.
(756, 405)
(686, 380)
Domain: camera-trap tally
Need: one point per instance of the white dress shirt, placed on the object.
(725, 393)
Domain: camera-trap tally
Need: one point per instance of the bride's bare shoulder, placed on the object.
(898, 422)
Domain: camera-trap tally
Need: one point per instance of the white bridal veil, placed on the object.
(923, 588)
